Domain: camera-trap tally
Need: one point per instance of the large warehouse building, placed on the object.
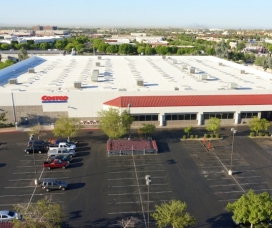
(166, 91)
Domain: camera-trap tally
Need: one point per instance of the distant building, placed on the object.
(46, 27)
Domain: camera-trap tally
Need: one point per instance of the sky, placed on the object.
(138, 13)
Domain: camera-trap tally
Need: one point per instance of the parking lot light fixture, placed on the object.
(233, 132)
(148, 182)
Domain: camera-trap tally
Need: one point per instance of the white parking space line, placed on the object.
(31, 161)
(124, 186)
(128, 212)
(25, 166)
(142, 193)
(42, 194)
(23, 172)
(227, 192)
(235, 184)
(22, 187)
(133, 178)
(150, 201)
(138, 171)
(248, 177)
(32, 179)
(122, 166)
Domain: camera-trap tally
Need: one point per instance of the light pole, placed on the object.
(233, 132)
(32, 142)
(148, 182)
(129, 124)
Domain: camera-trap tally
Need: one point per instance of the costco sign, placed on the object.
(54, 99)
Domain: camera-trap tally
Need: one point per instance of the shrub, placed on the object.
(191, 136)
(217, 136)
(260, 134)
(184, 137)
(252, 134)
(266, 134)
(211, 135)
(196, 136)
(206, 136)
(11, 124)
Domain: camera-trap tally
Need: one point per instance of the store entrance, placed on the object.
(267, 115)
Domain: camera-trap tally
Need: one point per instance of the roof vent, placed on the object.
(77, 84)
(140, 82)
(176, 88)
(174, 61)
(163, 57)
(31, 70)
(97, 64)
(13, 81)
(192, 70)
(221, 64)
(184, 67)
(242, 71)
(122, 89)
(98, 57)
(94, 76)
(232, 85)
(202, 76)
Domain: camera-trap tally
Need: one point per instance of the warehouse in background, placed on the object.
(163, 90)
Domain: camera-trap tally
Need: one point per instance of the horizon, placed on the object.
(176, 14)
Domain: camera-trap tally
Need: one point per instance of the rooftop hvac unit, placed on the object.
(13, 81)
(192, 70)
(31, 70)
(174, 61)
(242, 71)
(176, 88)
(97, 64)
(232, 85)
(202, 76)
(98, 57)
(163, 57)
(77, 84)
(220, 64)
(184, 67)
(94, 76)
(140, 83)
(122, 89)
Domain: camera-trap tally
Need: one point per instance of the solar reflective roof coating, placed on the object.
(123, 73)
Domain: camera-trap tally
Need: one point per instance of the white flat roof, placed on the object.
(122, 73)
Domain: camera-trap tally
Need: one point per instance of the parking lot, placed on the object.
(103, 190)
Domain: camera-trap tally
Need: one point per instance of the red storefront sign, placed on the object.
(54, 99)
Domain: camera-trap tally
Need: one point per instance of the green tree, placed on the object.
(43, 214)
(148, 128)
(221, 49)
(188, 130)
(251, 207)
(113, 123)
(125, 49)
(67, 127)
(3, 118)
(213, 124)
(5, 46)
(22, 54)
(240, 46)
(210, 51)
(150, 51)
(173, 214)
(256, 124)
(45, 46)
(112, 49)
(37, 130)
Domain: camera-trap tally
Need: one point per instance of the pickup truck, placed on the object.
(63, 145)
(55, 164)
(57, 151)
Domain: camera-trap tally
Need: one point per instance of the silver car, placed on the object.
(6, 216)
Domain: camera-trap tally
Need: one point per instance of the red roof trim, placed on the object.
(196, 100)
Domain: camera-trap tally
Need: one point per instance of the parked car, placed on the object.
(66, 141)
(6, 216)
(61, 157)
(55, 164)
(53, 184)
(38, 142)
(62, 145)
(39, 148)
(56, 151)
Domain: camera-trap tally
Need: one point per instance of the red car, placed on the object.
(55, 164)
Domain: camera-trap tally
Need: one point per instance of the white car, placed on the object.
(6, 216)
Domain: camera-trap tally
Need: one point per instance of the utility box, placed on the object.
(31, 70)
(232, 85)
(77, 85)
(13, 81)
(98, 57)
(94, 76)
(192, 70)
(163, 57)
(140, 82)
(184, 67)
(202, 76)
(242, 71)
